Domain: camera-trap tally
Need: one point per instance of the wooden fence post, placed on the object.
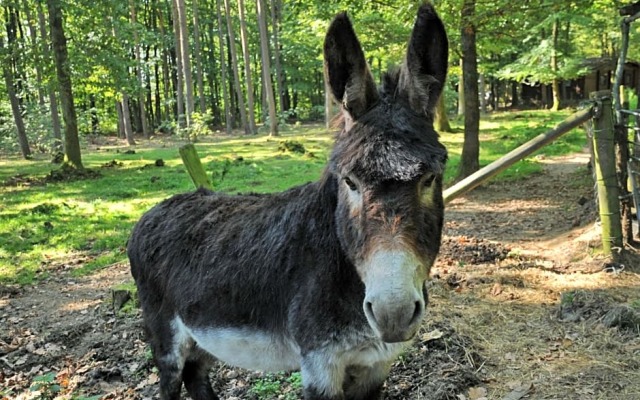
(196, 171)
(605, 169)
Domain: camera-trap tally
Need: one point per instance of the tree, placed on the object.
(469, 162)
(223, 70)
(59, 41)
(53, 101)
(141, 89)
(442, 120)
(15, 102)
(234, 68)
(266, 68)
(198, 49)
(247, 67)
(183, 34)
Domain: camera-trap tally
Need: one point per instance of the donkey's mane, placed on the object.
(390, 142)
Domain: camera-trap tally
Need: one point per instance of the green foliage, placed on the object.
(266, 388)
(46, 386)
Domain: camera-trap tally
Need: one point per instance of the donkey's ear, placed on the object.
(346, 69)
(425, 68)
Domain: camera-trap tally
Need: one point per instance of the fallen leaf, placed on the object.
(496, 289)
(433, 335)
(477, 393)
(519, 392)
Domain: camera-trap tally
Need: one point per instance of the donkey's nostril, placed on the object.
(417, 313)
(369, 310)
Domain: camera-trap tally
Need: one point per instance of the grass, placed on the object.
(84, 225)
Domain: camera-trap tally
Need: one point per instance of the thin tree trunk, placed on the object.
(186, 61)
(198, 48)
(442, 120)
(461, 89)
(166, 85)
(275, 18)
(247, 67)
(228, 118)
(126, 119)
(555, 84)
(469, 162)
(141, 90)
(71, 142)
(34, 44)
(266, 68)
(15, 104)
(482, 91)
(328, 103)
(179, 66)
(235, 68)
(53, 102)
(121, 132)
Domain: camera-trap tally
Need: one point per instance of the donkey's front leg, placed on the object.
(322, 377)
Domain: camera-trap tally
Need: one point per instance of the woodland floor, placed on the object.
(521, 306)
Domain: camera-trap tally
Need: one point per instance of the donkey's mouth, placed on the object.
(398, 338)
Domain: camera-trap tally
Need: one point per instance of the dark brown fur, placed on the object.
(291, 265)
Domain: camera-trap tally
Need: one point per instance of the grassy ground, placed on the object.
(84, 224)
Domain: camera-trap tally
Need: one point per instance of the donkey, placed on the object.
(328, 277)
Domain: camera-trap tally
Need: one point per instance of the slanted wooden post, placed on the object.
(196, 171)
(605, 169)
(479, 177)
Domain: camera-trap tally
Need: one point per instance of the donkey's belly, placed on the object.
(248, 349)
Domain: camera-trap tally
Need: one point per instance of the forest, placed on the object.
(78, 68)
(99, 99)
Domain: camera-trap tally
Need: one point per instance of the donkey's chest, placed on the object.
(258, 350)
(249, 349)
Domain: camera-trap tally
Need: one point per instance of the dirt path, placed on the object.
(495, 327)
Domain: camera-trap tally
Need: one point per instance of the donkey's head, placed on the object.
(389, 165)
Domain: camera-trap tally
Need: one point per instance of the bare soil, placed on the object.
(521, 306)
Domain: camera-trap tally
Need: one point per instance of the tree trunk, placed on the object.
(53, 102)
(280, 78)
(442, 120)
(121, 131)
(247, 68)
(198, 48)
(328, 103)
(179, 66)
(126, 119)
(234, 67)
(555, 85)
(166, 83)
(141, 89)
(93, 110)
(469, 162)
(461, 90)
(266, 68)
(71, 142)
(15, 104)
(228, 118)
(482, 94)
(34, 45)
(186, 61)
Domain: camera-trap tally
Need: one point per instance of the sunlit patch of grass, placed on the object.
(42, 227)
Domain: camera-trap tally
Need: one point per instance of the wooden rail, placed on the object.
(476, 179)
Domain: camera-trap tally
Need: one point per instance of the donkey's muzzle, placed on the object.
(395, 324)
(395, 299)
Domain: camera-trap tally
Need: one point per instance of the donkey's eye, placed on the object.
(350, 183)
(429, 180)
